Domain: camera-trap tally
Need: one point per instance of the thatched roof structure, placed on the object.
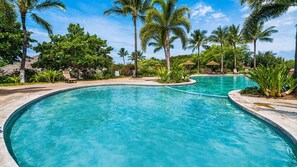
(212, 63)
(187, 63)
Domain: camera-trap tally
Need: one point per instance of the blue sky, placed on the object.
(118, 30)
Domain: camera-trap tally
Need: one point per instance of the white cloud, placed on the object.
(245, 8)
(292, 9)
(205, 13)
(218, 15)
(201, 10)
(245, 15)
(286, 20)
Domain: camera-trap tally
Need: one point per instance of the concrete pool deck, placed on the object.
(12, 98)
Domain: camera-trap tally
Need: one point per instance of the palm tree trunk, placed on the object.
(167, 50)
(135, 46)
(255, 54)
(24, 54)
(124, 60)
(295, 67)
(198, 61)
(235, 65)
(222, 59)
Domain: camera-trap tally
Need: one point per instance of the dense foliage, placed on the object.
(267, 59)
(77, 50)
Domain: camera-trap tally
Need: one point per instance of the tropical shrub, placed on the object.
(163, 75)
(49, 76)
(177, 74)
(274, 81)
(127, 70)
(13, 79)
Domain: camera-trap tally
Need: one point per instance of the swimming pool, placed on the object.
(217, 85)
(142, 126)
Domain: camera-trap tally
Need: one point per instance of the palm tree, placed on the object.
(122, 52)
(135, 8)
(220, 35)
(257, 33)
(295, 67)
(264, 10)
(198, 39)
(159, 44)
(170, 20)
(29, 7)
(139, 54)
(234, 38)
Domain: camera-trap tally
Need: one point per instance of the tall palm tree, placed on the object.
(123, 52)
(295, 67)
(264, 10)
(235, 37)
(198, 39)
(29, 7)
(139, 54)
(135, 8)
(257, 33)
(220, 35)
(159, 43)
(169, 20)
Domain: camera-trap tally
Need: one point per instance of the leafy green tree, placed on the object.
(269, 59)
(135, 8)
(166, 21)
(264, 10)
(123, 52)
(139, 54)
(159, 43)
(76, 50)
(257, 33)
(220, 35)
(26, 7)
(149, 67)
(10, 35)
(235, 37)
(198, 39)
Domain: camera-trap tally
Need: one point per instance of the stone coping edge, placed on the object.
(279, 129)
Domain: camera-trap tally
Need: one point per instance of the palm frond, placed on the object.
(264, 13)
(179, 32)
(40, 21)
(50, 4)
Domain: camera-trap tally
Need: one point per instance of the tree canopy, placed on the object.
(76, 50)
(11, 35)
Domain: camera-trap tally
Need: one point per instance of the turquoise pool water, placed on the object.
(142, 126)
(217, 85)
